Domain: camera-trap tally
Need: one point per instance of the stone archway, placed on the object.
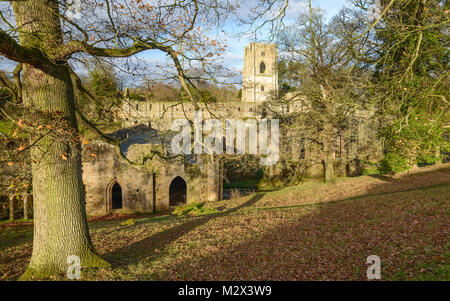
(177, 192)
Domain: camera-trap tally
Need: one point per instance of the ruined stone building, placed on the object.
(151, 183)
(111, 183)
(157, 183)
(142, 175)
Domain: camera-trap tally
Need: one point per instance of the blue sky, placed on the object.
(233, 57)
(235, 52)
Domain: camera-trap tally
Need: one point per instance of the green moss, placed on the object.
(129, 222)
(53, 272)
(370, 171)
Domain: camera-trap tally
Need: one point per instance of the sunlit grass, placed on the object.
(284, 235)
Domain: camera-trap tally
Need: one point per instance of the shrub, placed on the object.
(393, 163)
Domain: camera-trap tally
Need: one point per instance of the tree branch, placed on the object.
(17, 82)
(28, 55)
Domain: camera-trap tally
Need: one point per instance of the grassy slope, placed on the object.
(290, 234)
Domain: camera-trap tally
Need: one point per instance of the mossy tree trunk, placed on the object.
(60, 222)
(328, 155)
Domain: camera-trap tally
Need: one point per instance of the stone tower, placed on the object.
(260, 72)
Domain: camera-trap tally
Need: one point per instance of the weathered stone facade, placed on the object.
(113, 184)
(260, 76)
(145, 186)
(159, 115)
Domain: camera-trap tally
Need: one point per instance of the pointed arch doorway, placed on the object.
(114, 196)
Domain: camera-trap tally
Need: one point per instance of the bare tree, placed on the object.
(45, 37)
(329, 96)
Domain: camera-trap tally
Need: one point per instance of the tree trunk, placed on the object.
(328, 158)
(60, 222)
(11, 207)
(25, 205)
(328, 164)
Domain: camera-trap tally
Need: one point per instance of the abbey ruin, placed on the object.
(112, 184)
(141, 177)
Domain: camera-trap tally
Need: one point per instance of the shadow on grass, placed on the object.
(341, 234)
(331, 243)
(381, 177)
(135, 251)
(14, 236)
(417, 179)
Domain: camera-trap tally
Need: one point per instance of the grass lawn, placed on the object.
(314, 231)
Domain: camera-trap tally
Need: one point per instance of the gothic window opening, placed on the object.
(262, 67)
(116, 196)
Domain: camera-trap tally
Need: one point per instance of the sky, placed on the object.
(234, 56)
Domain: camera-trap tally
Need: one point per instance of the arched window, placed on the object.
(137, 106)
(262, 88)
(262, 67)
(116, 196)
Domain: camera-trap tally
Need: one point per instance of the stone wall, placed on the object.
(159, 115)
(102, 168)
